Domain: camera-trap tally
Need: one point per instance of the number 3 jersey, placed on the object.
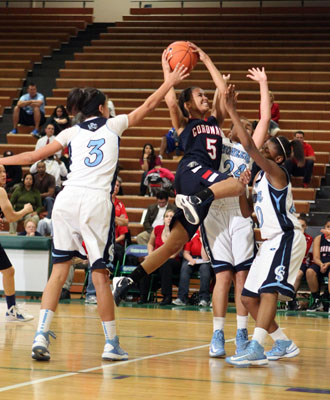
(94, 150)
(274, 208)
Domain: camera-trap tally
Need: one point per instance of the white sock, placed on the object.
(259, 335)
(45, 318)
(218, 323)
(242, 321)
(109, 328)
(278, 335)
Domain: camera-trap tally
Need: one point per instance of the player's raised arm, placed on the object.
(135, 117)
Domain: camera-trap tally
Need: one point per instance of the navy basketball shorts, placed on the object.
(191, 177)
(4, 260)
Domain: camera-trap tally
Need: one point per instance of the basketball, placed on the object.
(182, 53)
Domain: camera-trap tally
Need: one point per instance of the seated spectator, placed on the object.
(48, 138)
(13, 172)
(305, 168)
(45, 183)
(30, 228)
(30, 110)
(170, 143)
(45, 227)
(293, 305)
(172, 266)
(111, 107)
(121, 223)
(77, 263)
(320, 268)
(148, 161)
(194, 259)
(154, 216)
(60, 119)
(54, 167)
(23, 194)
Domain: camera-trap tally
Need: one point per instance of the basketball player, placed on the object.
(14, 312)
(229, 237)
(83, 208)
(273, 271)
(197, 171)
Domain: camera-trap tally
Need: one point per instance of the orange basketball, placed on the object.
(182, 53)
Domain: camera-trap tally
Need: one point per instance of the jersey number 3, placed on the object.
(96, 146)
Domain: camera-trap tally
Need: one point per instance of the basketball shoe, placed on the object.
(241, 340)
(217, 347)
(121, 286)
(252, 355)
(17, 314)
(113, 352)
(40, 346)
(282, 349)
(188, 205)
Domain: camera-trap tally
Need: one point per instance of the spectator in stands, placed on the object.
(148, 161)
(48, 138)
(23, 194)
(293, 305)
(77, 263)
(320, 268)
(14, 313)
(59, 119)
(30, 110)
(302, 169)
(170, 143)
(14, 173)
(194, 259)
(158, 237)
(121, 223)
(111, 107)
(30, 228)
(54, 167)
(154, 216)
(45, 183)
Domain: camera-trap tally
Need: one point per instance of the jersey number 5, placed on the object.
(95, 145)
(211, 148)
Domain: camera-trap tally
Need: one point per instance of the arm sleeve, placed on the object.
(118, 124)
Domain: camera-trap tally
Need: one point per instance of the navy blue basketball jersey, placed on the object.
(202, 141)
(324, 249)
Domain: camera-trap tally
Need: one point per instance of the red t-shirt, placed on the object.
(121, 230)
(309, 241)
(194, 246)
(158, 230)
(151, 165)
(308, 150)
(119, 208)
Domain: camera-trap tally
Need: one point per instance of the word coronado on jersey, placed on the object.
(200, 129)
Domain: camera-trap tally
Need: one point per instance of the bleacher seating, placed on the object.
(125, 63)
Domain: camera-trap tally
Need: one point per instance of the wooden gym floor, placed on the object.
(168, 350)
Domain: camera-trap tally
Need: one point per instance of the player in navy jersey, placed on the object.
(197, 173)
(275, 267)
(83, 209)
(320, 268)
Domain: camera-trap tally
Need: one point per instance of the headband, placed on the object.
(279, 141)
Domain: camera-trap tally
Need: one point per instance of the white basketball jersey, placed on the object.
(94, 151)
(234, 160)
(274, 208)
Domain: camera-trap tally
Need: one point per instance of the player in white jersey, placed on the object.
(275, 267)
(228, 236)
(82, 211)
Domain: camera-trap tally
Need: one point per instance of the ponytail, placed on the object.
(185, 96)
(297, 150)
(85, 101)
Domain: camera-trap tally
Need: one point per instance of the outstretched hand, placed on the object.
(201, 54)
(230, 98)
(166, 56)
(179, 74)
(257, 74)
(245, 177)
